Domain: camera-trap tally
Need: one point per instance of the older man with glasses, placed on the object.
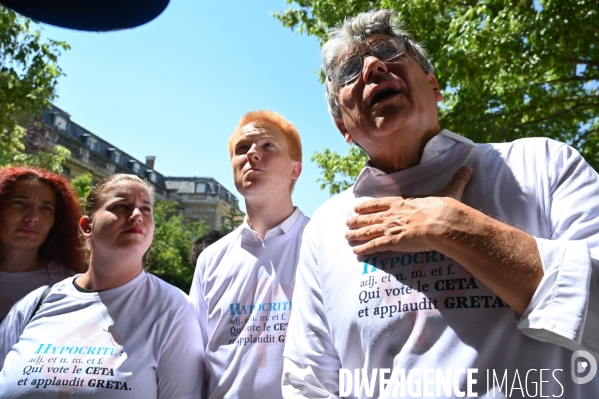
(450, 268)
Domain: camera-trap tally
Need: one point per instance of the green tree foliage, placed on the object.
(339, 172)
(232, 220)
(28, 77)
(509, 69)
(173, 239)
(82, 185)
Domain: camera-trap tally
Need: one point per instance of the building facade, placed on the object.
(202, 198)
(199, 198)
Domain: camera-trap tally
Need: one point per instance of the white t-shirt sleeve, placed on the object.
(15, 321)
(180, 370)
(565, 307)
(196, 295)
(308, 341)
(302, 381)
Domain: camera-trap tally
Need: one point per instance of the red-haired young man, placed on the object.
(243, 283)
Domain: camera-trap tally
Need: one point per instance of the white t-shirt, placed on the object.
(14, 286)
(139, 340)
(423, 311)
(242, 289)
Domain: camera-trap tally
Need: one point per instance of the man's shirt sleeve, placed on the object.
(309, 382)
(309, 346)
(565, 307)
(196, 295)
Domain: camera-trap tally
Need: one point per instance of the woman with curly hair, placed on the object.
(114, 331)
(39, 241)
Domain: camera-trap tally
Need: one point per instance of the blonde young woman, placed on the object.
(115, 331)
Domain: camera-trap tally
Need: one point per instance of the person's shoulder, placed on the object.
(221, 245)
(58, 271)
(212, 255)
(543, 145)
(530, 145)
(170, 304)
(30, 300)
(23, 309)
(336, 205)
(169, 294)
(302, 219)
(529, 150)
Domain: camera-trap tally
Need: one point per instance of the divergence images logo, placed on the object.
(583, 362)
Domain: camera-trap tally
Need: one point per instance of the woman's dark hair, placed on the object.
(63, 244)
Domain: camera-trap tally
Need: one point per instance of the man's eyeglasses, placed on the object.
(351, 68)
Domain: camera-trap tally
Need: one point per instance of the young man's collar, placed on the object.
(278, 230)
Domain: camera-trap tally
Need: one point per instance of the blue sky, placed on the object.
(176, 87)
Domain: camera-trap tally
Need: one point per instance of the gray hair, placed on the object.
(353, 33)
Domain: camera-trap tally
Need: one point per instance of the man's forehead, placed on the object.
(257, 130)
(358, 48)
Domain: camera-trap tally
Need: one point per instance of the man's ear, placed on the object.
(433, 81)
(85, 226)
(341, 127)
(297, 170)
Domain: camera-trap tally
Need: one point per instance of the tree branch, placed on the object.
(570, 99)
(583, 136)
(571, 79)
(531, 107)
(559, 114)
(576, 141)
(579, 61)
(592, 131)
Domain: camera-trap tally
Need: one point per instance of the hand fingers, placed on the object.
(375, 205)
(457, 184)
(356, 222)
(377, 245)
(365, 233)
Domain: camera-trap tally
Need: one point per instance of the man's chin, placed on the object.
(390, 122)
(249, 187)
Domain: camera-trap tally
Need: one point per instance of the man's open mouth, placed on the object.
(383, 94)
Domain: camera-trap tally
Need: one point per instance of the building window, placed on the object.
(116, 157)
(135, 166)
(92, 144)
(66, 171)
(152, 176)
(200, 188)
(60, 122)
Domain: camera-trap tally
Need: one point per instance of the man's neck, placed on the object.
(264, 216)
(409, 151)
